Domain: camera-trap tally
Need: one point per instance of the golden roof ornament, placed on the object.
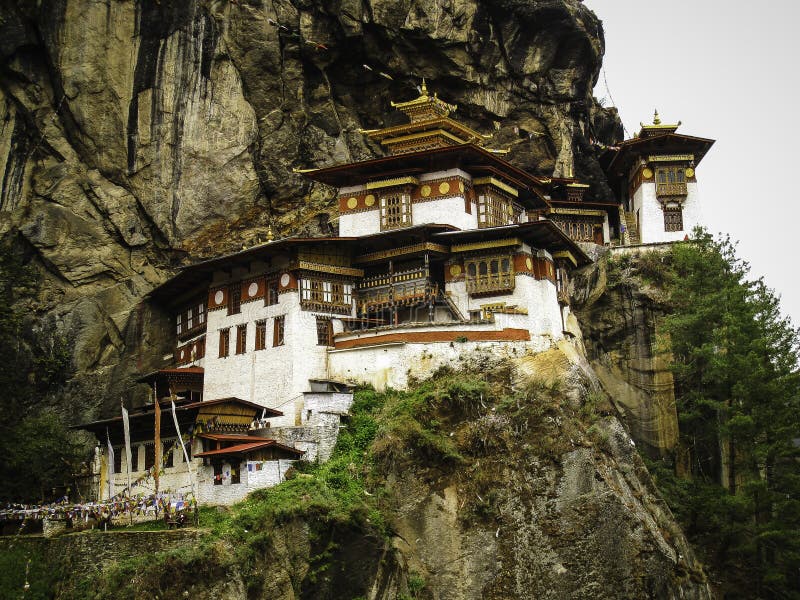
(270, 236)
(425, 106)
(657, 128)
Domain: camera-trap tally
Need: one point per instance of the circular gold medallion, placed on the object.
(369, 200)
(690, 172)
(352, 202)
(455, 270)
(647, 173)
(425, 191)
(529, 263)
(444, 187)
(461, 186)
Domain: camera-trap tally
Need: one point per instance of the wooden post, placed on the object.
(157, 440)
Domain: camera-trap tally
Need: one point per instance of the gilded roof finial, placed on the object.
(656, 118)
(424, 89)
(270, 236)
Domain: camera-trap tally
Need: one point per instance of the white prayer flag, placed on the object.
(110, 465)
(128, 458)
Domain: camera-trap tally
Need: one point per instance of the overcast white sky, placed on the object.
(729, 71)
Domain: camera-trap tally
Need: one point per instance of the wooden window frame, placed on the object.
(395, 209)
(236, 473)
(235, 298)
(271, 291)
(323, 294)
(279, 331)
(489, 274)
(673, 218)
(261, 335)
(324, 331)
(241, 339)
(224, 342)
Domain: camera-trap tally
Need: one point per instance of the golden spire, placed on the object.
(270, 236)
(424, 88)
(656, 118)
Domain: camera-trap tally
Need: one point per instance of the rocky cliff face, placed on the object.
(137, 136)
(619, 311)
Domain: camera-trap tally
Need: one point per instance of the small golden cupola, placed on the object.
(429, 127)
(657, 128)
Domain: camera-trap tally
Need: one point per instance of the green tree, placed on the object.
(38, 452)
(738, 395)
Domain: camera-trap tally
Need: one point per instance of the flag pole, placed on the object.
(128, 466)
(157, 438)
(185, 457)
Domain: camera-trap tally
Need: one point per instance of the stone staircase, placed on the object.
(632, 228)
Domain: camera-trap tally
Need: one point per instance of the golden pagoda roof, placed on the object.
(657, 128)
(425, 105)
(429, 126)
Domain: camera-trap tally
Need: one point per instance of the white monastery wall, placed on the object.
(651, 215)
(448, 211)
(360, 223)
(276, 376)
(539, 297)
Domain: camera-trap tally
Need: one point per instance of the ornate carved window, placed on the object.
(671, 175)
(671, 181)
(489, 274)
(320, 294)
(673, 218)
(261, 335)
(493, 210)
(395, 210)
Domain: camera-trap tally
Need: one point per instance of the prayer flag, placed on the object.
(110, 465)
(128, 465)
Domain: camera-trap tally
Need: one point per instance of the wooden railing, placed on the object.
(490, 282)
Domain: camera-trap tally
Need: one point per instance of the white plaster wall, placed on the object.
(336, 403)
(360, 223)
(539, 297)
(651, 220)
(445, 174)
(275, 377)
(447, 211)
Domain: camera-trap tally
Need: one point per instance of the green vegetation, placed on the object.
(734, 482)
(33, 442)
(331, 523)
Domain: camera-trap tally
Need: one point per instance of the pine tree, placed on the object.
(735, 362)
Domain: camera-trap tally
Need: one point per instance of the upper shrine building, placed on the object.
(443, 247)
